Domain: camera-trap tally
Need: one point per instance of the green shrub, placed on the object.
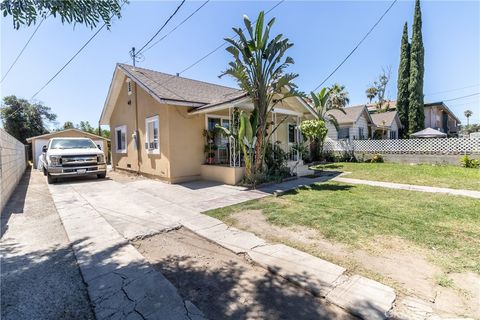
(377, 158)
(466, 162)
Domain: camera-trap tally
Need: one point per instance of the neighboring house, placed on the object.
(355, 124)
(39, 141)
(437, 116)
(157, 124)
(387, 125)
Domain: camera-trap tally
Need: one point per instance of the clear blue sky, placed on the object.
(323, 33)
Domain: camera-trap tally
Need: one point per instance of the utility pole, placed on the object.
(133, 55)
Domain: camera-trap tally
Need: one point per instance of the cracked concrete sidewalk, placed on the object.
(120, 282)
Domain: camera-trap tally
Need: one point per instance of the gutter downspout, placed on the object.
(137, 135)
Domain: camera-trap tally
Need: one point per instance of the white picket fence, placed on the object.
(439, 146)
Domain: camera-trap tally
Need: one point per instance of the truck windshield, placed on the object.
(72, 144)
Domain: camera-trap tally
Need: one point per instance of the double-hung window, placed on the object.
(361, 135)
(344, 133)
(152, 133)
(121, 139)
(393, 134)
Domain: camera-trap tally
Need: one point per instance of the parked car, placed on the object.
(67, 157)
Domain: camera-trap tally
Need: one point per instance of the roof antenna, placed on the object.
(136, 56)
(133, 56)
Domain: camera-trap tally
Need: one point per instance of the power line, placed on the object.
(451, 90)
(223, 44)
(462, 97)
(21, 51)
(213, 51)
(178, 25)
(163, 26)
(358, 45)
(73, 57)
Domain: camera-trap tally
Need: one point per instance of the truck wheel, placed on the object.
(51, 179)
(101, 175)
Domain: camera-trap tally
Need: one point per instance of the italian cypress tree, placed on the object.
(416, 116)
(403, 80)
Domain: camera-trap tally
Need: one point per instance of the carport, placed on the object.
(39, 141)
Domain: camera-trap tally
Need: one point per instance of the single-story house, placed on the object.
(437, 116)
(387, 125)
(39, 141)
(158, 123)
(355, 124)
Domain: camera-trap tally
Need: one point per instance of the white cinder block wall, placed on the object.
(12, 165)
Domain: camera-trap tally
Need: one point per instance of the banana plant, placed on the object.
(245, 138)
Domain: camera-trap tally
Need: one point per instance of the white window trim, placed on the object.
(214, 116)
(147, 121)
(123, 129)
(129, 86)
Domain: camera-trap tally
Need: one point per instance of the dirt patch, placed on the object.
(390, 260)
(225, 286)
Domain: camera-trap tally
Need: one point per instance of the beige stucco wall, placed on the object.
(187, 144)
(181, 137)
(223, 174)
(125, 114)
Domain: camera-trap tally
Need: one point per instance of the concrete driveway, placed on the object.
(101, 216)
(137, 207)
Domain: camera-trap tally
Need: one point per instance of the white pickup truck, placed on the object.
(67, 157)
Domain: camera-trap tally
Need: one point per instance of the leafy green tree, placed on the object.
(326, 100)
(416, 115)
(403, 80)
(316, 131)
(23, 120)
(85, 126)
(68, 125)
(258, 66)
(87, 12)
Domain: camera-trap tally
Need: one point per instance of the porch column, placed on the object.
(297, 132)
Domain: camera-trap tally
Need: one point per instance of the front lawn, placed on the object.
(446, 226)
(421, 174)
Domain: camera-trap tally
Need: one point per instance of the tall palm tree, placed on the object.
(338, 96)
(468, 114)
(258, 66)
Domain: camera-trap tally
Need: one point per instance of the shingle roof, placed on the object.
(53, 133)
(176, 88)
(383, 118)
(351, 114)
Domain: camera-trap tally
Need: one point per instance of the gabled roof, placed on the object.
(384, 119)
(392, 105)
(174, 90)
(351, 115)
(52, 134)
(443, 106)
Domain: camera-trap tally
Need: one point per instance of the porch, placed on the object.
(223, 156)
